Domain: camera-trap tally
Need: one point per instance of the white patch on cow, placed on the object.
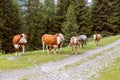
(23, 39)
(94, 36)
(23, 48)
(61, 35)
(16, 46)
(75, 40)
(58, 40)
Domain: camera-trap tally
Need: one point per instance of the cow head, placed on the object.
(74, 40)
(23, 38)
(61, 35)
(59, 38)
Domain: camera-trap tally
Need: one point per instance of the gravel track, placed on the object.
(77, 67)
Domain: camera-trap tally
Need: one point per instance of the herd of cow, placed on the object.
(53, 41)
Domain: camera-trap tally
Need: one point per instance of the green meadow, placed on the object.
(33, 58)
(112, 72)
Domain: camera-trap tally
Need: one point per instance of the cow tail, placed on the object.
(43, 45)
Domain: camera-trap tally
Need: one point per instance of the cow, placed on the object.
(96, 38)
(74, 43)
(82, 39)
(20, 41)
(50, 41)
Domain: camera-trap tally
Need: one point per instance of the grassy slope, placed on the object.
(33, 58)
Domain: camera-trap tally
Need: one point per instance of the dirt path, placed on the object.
(76, 67)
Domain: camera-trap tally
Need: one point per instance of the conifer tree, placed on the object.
(101, 12)
(62, 6)
(49, 16)
(70, 26)
(40, 19)
(33, 23)
(115, 17)
(82, 16)
(11, 23)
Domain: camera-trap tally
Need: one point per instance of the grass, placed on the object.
(112, 72)
(29, 59)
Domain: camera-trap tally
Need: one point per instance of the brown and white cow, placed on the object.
(19, 41)
(74, 43)
(97, 38)
(52, 41)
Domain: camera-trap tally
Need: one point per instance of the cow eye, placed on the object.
(21, 35)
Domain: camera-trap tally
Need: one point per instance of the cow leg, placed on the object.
(43, 46)
(82, 44)
(51, 48)
(76, 49)
(79, 44)
(23, 49)
(16, 52)
(47, 49)
(95, 42)
(72, 49)
(59, 49)
(55, 49)
(85, 44)
(60, 46)
(17, 46)
(98, 42)
(19, 54)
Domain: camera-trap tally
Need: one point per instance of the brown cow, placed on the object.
(97, 38)
(19, 41)
(74, 43)
(52, 41)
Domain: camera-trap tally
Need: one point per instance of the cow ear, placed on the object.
(57, 35)
(26, 36)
